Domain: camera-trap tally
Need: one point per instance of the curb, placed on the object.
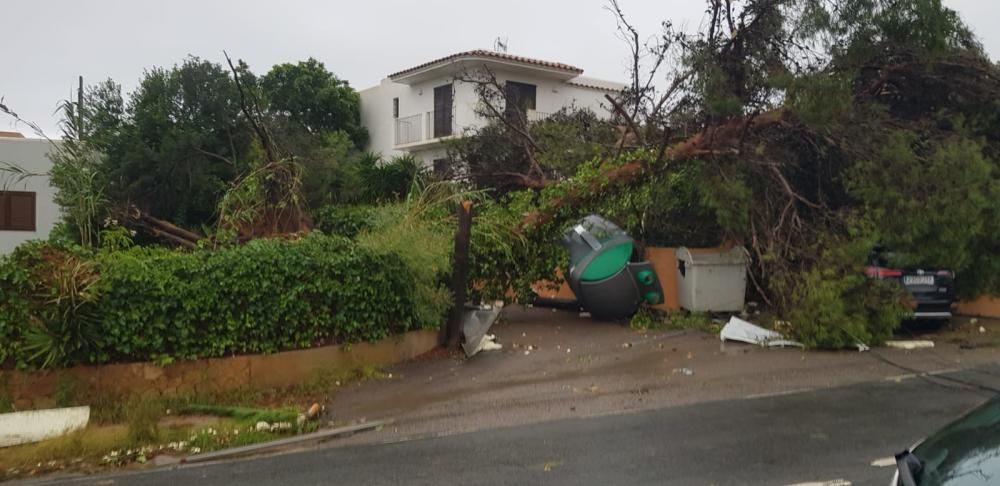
(277, 444)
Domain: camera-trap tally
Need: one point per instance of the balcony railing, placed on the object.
(409, 129)
(535, 116)
(421, 128)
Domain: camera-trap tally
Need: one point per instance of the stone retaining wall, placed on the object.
(37, 389)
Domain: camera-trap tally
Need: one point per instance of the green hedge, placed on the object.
(162, 305)
(344, 220)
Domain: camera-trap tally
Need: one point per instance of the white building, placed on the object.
(27, 209)
(414, 110)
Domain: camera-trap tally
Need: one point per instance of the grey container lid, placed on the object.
(734, 256)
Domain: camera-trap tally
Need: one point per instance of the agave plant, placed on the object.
(64, 323)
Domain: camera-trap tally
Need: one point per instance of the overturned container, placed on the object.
(712, 280)
(604, 277)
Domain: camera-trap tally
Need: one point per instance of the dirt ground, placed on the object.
(557, 365)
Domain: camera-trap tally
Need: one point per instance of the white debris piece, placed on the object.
(910, 345)
(739, 330)
(491, 346)
(36, 425)
(476, 322)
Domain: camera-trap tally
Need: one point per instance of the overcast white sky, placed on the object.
(46, 44)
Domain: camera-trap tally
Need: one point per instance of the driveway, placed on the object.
(577, 367)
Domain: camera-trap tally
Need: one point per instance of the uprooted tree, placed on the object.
(811, 130)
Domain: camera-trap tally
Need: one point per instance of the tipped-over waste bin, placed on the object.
(604, 277)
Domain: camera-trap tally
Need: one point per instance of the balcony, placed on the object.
(424, 128)
(537, 116)
(408, 129)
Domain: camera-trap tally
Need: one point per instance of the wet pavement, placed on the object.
(577, 367)
(599, 403)
(816, 436)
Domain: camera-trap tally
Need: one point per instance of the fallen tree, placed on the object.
(892, 139)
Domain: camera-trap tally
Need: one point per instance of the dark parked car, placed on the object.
(965, 452)
(932, 290)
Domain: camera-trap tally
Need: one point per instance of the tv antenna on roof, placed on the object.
(500, 44)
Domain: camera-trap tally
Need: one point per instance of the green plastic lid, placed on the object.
(608, 263)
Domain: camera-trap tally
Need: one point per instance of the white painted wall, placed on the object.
(418, 99)
(30, 154)
(376, 116)
(37, 425)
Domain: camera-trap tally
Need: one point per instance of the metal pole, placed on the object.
(79, 110)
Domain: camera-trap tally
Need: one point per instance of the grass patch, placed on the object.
(654, 320)
(143, 417)
(126, 430)
(242, 414)
(82, 450)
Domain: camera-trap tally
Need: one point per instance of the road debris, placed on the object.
(739, 330)
(910, 345)
(477, 320)
(313, 411)
(684, 371)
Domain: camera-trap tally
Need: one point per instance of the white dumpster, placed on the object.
(712, 280)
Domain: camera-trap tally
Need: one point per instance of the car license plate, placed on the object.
(918, 280)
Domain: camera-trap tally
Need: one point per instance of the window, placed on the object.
(17, 211)
(395, 107)
(520, 97)
(442, 168)
(442, 111)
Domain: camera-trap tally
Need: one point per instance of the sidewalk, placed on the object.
(578, 367)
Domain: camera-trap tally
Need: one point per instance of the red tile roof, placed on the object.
(593, 86)
(495, 55)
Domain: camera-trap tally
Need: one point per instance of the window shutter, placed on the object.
(4, 209)
(21, 211)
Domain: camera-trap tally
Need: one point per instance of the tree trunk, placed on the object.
(460, 275)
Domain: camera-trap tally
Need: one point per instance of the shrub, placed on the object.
(265, 296)
(834, 305)
(49, 311)
(346, 221)
(421, 230)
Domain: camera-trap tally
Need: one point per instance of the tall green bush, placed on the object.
(265, 296)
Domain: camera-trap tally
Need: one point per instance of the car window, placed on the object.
(965, 453)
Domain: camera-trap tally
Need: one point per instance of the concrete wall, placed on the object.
(984, 307)
(38, 389)
(32, 155)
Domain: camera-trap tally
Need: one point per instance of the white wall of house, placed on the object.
(417, 101)
(376, 115)
(32, 155)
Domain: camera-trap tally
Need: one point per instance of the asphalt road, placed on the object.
(785, 439)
